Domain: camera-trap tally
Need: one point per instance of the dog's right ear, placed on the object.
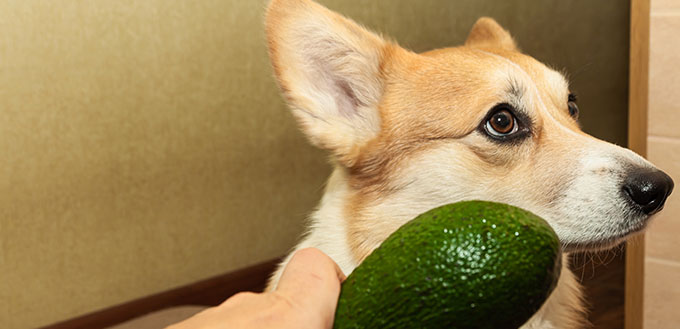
(488, 33)
(329, 69)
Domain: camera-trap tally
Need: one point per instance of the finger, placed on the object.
(312, 279)
(310, 268)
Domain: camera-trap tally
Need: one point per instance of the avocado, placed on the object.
(471, 264)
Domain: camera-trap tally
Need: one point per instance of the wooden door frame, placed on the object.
(638, 96)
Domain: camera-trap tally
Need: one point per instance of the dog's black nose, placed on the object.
(648, 188)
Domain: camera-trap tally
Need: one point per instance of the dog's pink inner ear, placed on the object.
(487, 33)
(337, 70)
(346, 100)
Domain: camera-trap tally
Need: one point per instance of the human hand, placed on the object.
(305, 298)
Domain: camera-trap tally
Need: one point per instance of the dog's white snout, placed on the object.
(644, 186)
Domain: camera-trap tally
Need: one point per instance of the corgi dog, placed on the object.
(408, 132)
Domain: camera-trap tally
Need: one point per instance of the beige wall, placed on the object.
(145, 146)
(662, 265)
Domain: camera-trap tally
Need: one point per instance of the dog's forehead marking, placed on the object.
(543, 108)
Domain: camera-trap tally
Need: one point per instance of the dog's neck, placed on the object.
(328, 229)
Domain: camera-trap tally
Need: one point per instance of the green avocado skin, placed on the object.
(472, 264)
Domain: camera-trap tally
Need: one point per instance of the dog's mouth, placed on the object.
(603, 244)
(591, 245)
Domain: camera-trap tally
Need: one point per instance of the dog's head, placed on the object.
(481, 121)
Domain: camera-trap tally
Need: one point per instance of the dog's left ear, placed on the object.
(329, 69)
(487, 33)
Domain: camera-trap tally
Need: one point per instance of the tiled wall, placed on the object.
(662, 277)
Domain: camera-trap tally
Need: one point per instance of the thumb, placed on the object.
(311, 281)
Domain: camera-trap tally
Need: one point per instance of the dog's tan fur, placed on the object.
(403, 131)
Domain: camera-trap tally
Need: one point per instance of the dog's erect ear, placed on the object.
(487, 33)
(329, 69)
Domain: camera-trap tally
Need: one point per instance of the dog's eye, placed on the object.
(501, 123)
(573, 108)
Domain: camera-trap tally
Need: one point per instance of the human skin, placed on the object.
(305, 298)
